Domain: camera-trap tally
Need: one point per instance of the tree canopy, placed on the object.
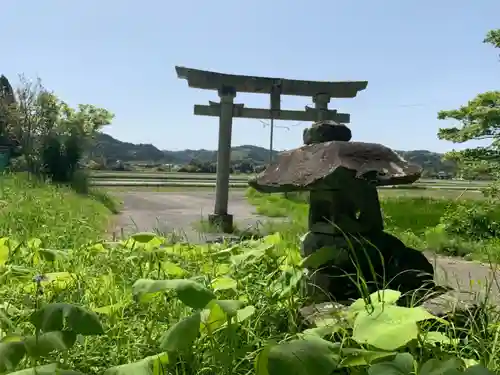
(479, 119)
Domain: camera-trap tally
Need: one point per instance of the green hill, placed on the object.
(111, 149)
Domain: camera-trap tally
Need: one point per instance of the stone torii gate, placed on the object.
(227, 85)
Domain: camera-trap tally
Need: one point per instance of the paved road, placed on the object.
(177, 211)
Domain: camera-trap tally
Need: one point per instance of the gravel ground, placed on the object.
(178, 211)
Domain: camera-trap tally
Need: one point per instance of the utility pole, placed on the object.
(275, 108)
(271, 137)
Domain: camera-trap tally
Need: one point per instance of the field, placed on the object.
(72, 297)
(166, 179)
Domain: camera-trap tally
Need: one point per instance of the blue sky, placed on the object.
(417, 56)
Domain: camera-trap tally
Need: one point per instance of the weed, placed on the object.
(30, 208)
(146, 306)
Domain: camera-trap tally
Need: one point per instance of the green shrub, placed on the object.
(474, 222)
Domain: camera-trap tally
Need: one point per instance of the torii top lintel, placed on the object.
(207, 80)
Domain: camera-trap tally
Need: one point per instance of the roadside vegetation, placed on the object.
(71, 303)
(147, 306)
(59, 217)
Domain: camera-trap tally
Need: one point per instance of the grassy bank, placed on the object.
(56, 215)
(416, 219)
(146, 306)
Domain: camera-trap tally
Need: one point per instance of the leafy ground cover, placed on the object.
(457, 225)
(146, 306)
(58, 216)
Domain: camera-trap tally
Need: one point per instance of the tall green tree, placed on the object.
(52, 135)
(479, 119)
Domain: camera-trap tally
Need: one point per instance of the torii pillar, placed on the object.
(221, 218)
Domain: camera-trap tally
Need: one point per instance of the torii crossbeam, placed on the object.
(228, 85)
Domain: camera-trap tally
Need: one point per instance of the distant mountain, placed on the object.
(111, 149)
(105, 146)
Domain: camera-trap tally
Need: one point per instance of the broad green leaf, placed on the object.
(12, 338)
(143, 237)
(229, 306)
(292, 277)
(387, 296)
(221, 269)
(19, 271)
(478, 370)
(182, 334)
(51, 255)
(261, 361)
(56, 280)
(153, 365)
(450, 366)
(322, 331)
(189, 292)
(250, 255)
(4, 253)
(353, 357)
(388, 327)
(224, 283)
(245, 313)
(51, 369)
(301, 357)
(48, 342)
(172, 269)
(159, 364)
(319, 258)
(98, 247)
(434, 337)
(225, 252)
(61, 316)
(11, 353)
(272, 239)
(213, 318)
(470, 362)
(34, 243)
(110, 309)
(402, 364)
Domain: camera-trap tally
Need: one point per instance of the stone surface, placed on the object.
(222, 221)
(329, 164)
(353, 208)
(379, 258)
(326, 131)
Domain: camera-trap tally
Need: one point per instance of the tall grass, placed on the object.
(60, 217)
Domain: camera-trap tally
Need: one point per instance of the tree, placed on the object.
(7, 102)
(479, 120)
(51, 134)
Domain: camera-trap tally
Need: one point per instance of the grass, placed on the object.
(132, 315)
(413, 218)
(56, 215)
(136, 309)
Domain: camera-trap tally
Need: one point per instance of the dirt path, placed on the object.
(178, 211)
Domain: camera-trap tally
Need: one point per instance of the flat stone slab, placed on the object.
(309, 167)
